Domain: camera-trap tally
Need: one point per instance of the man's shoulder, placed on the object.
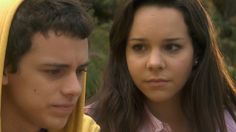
(89, 125)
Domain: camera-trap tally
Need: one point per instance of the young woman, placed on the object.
(165, 72)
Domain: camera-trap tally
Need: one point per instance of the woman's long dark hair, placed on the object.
(208, 93)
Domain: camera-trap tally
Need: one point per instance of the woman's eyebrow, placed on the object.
(136, 39)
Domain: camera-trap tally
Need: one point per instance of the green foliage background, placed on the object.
(222, 13)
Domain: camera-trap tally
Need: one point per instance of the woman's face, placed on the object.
(159, 52)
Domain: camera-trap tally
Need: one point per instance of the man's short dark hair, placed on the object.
(65, 17)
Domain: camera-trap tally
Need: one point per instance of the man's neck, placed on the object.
(43, 130)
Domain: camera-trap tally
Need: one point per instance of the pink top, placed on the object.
(152, 124)
(230, 123)
(155, 125)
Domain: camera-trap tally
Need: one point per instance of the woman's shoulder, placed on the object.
(230, 123)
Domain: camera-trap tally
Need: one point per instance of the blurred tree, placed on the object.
(226, 8)
(98, 56)
(226, 22)
(103, 9)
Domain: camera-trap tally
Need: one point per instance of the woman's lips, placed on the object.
(157, 82)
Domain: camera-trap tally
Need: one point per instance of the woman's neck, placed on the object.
(171, 113)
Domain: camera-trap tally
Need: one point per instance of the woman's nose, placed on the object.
(155, 60)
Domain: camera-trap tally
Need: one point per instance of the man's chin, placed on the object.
(57, 124)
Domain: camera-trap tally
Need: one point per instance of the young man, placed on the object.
(43, 61)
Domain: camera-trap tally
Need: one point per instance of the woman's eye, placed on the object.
(173, 47)
(139, 47)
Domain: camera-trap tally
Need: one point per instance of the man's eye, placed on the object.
(54, 71)
(80, 72)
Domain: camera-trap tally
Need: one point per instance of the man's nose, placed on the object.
(73, 86)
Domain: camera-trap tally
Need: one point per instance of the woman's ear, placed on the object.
(5, 77)
(196, 58)
(196, 61)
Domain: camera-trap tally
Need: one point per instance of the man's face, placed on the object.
(44, 90)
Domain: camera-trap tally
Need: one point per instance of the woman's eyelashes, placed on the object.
(168, 47)
(139, 47)
(172, 47)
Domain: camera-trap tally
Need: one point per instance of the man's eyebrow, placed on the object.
(59, 65)
(84, 65)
